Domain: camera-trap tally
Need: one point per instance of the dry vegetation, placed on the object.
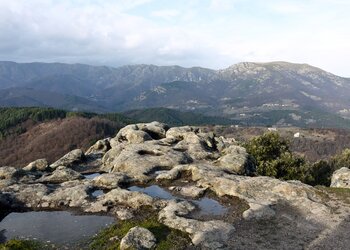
(52, 139)
(313, 144)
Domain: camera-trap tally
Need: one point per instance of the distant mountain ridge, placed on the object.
(245, 92)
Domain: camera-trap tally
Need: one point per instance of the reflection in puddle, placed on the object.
(97, 193)
(210, 207)
(206, 205)
(154, 191)
(91, 176)
(58, 227)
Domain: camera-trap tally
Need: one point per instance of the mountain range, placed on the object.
(275, 93)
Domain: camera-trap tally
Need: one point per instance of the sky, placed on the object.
(206, 33)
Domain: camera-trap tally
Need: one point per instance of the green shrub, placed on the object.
(267, 147)
(322, 171)
(273, 158)
(341, 160)
(286, 167)
(16, 244)
(319, 173)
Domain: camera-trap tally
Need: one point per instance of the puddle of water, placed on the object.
(209, 206)
(206, 205)
(91, 176)
(59, 227)
(97, 193)
(160, 172)
(154, 191)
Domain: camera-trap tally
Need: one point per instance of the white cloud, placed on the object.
(119, 32)
(288, 7)
(221, 5)
(166, 13)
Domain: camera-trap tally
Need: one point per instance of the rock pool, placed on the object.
(207, 206)
(91, 176)
(59, 227)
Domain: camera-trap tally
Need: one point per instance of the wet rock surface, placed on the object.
(192, 181)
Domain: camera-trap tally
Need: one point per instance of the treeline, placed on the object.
(12, 118)
(274, 158)
(53, 139)
(27, 134)
(175, 117)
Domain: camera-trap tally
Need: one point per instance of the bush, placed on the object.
(341, 160)
(273, 158)
(287, 167)
(320, 173)
(267, 147)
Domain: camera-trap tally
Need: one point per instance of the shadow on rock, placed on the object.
(336, 238)
(288, 229)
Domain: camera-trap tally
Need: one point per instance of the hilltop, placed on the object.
(180, 187)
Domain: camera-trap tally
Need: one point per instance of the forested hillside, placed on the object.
(27, 134)
(174, 117)
(11, 119)
(250, 94)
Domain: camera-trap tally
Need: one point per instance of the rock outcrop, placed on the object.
(141, 132)
(100, 147)
(139, 160)
(10, 172)
(190, 165)
(138, 238)
(261, 193)
(61, 174)
(40, 165)
(236, 160)
(341, 178)
(189, 191)
(72, 158)
(209, 234)
(111, 180)
(158, 148)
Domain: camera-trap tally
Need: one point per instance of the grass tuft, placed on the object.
(167, 238)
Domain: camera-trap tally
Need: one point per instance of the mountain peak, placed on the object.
(248, 68)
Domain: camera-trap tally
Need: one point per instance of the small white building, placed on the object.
(272, 129)
(297, 135)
